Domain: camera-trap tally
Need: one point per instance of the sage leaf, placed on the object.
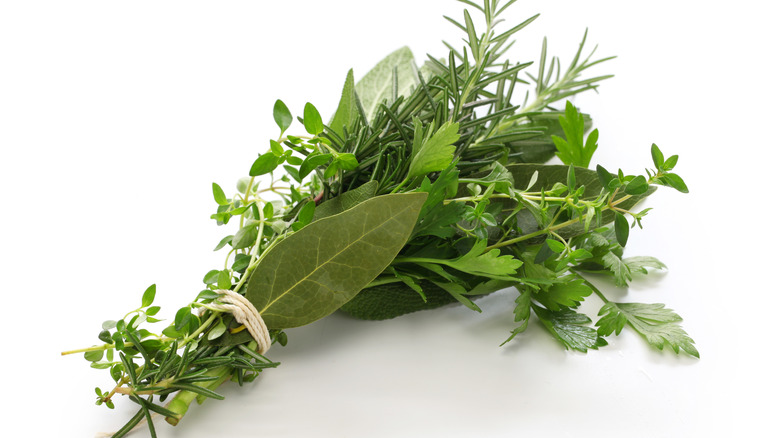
(377, 84)
(313, 272)
(347, 111)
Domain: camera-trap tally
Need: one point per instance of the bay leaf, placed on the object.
(377, 84)
(313, 272)
(346, 200)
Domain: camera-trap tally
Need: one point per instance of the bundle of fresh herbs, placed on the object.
(428, 186)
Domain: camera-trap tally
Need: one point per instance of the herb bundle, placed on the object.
(428, 186)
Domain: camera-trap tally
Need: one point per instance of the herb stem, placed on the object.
(381, 281)
(591, 286)
(88, 349)
(200, 329)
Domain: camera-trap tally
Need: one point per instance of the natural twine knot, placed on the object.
(244, 313)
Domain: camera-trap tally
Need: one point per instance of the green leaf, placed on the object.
(657, 324)
(572, 150)
(224, 281)
(182, 319)
(241, 263)
(445, 186)
(306, 213)
(436, 153)
(394, 299)
(604, 176)
(207, 294)
(265, 163)
(556, 245)
(93, 356)
(620, 271)
(312, 120)
(569, 327)
(439, 220)
(571, 179)
(219, 195)
(562, 295)
(268, 210)
(476, 262)
(670, 163)
(522, 312)
(211, 277)
(658, 157)
(330, 171)
(347, 111)
(245, 237)
(377, 85)
(641, 263)
(499, 177)
(637, 186)
(171, 331)
(487, 264)
(311, 273)
(459, 293)
(346, 200)
(276, 148)
(217, 331)
(148, 296)
(345, 161)
(105, 336)
(674, 181)
(311, 162)
(621, 229)
(101, 365)
(225, 240)
(282, 115)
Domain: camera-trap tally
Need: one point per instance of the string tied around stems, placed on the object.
(245, 313)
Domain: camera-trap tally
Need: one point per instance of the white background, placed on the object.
(116, 117)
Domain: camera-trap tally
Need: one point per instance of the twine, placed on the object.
(244, 313)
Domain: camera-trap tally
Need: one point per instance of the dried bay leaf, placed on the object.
(315, 271)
